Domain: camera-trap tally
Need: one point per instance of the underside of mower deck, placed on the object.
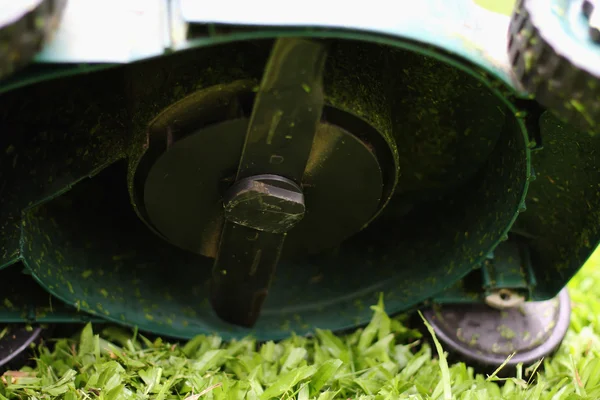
(197, 171)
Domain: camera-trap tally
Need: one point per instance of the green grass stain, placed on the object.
(506, 332)
(474, 339)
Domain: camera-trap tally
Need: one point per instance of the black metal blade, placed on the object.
(286, 112)
(244, 267)
(279, 140)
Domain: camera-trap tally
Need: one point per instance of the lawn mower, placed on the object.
(268, 168)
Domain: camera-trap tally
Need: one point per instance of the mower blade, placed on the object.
(286, 112)
(244, 268)
(284, 121)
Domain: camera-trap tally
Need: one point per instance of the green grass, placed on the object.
(385, 360)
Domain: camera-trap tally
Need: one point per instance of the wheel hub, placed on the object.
(488, 336)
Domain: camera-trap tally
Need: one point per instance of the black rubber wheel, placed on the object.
(15, 344)
(485, 337)
(24, 28)
(556, 61)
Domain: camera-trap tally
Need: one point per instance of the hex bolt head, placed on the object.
(268, 203)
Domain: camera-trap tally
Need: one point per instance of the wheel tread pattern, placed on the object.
(23, 38)
(551, 77)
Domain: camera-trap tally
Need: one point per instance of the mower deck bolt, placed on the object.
(268, 203)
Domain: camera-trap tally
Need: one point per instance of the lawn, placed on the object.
(383, 361)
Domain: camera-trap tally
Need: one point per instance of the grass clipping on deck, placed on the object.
(385, 360)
